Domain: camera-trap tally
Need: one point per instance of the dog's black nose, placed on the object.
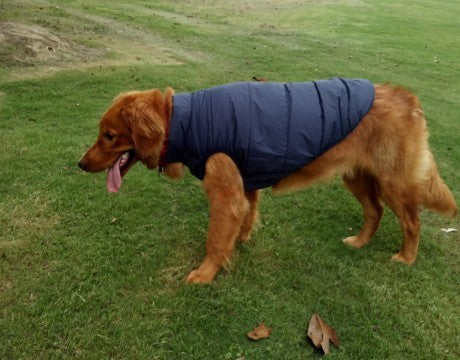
(82, 165)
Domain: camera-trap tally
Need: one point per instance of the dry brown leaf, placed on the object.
(260, 332)
(320, 333)
(260, 78)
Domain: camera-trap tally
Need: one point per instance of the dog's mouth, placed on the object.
(119, 169)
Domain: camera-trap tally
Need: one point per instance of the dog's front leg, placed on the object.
(251, 218)
(228, 209)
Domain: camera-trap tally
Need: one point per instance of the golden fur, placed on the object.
(385, 160)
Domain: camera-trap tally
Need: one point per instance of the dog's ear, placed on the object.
(147, 128)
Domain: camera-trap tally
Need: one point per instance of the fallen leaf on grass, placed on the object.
(260, 332)
(320, 333)
(260, 78)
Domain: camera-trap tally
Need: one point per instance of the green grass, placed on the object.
(88, 275)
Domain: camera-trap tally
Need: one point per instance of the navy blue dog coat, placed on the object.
(270, 130)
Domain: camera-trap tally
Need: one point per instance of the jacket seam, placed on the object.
(288, 130)
(349, 101)
(323, 119)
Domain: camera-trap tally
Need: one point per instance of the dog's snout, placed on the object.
(82, 165)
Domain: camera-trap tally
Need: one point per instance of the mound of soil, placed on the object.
(26, 45)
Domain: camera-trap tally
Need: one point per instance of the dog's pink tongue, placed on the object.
(114, 177)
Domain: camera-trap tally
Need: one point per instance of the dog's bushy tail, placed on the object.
(437, 196)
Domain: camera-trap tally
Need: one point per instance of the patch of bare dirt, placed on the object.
(26, 45)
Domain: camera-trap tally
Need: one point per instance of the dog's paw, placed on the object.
(354, 241)
(401, 258)
(200, 277)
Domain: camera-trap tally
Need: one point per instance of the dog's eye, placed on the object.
(109, 136)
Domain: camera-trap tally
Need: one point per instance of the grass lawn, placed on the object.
(89, 275)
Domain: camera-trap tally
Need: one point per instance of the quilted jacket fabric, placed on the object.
(270, 130)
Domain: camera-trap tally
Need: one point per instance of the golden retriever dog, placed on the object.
(385, 159)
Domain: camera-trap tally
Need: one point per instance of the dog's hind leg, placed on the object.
(228, 209)
(365, 188)
(251, 217)
(404, 203)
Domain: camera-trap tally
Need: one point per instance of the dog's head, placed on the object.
(131, 130)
